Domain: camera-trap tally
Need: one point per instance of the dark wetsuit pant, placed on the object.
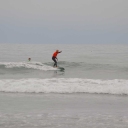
(54, 59)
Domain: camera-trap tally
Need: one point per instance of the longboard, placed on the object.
(61, 68)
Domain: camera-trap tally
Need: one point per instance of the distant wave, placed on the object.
(65, 85)
(29, 65)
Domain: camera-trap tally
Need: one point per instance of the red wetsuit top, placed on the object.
(55, 54)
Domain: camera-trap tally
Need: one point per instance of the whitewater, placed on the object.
(63, 85)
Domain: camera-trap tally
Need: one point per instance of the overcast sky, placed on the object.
(64, 21)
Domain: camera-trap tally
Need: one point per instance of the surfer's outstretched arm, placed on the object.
(59, 51)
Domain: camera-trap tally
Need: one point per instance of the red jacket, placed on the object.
(55, 54)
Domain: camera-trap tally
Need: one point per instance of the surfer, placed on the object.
(29, 59)
(54, 57)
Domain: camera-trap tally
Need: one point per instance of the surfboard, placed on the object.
(61, 68)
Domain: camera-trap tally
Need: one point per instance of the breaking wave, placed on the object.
(29, 65)
(65, 85)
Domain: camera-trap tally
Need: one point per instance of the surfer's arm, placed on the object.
(59, 51)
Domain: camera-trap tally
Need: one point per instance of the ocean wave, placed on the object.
(65, 85)
(48, 66)
(29, 65)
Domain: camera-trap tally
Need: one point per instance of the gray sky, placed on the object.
(63, 21)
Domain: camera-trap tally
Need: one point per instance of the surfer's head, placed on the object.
(57, 50)
(29, 59)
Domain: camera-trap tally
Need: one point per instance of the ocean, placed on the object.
(91, 90)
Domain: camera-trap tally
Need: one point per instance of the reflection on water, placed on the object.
(58, 73)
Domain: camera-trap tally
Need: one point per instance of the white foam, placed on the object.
(65, 85)
(30, 65)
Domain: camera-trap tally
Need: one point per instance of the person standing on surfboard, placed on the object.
(54, 57)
